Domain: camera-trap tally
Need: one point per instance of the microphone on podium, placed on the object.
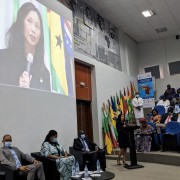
(29, 62)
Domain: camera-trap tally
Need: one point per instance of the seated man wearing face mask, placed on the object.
(93, 152)
(12, 156)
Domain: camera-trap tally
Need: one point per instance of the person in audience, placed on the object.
(165, 118)
(137, 103)
(12, 157)
(155, 118)
(163, 102)
(85, 145)
(122, 138)
(177, 106)
(178, 117)
(178, 93)
(24, 56)
(170, 92)
(144, 136)
(172, 104)
(52, 149)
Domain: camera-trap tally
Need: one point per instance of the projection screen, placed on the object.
(36, 47)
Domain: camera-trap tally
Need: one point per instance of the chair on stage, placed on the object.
(7, 173)
(49, 165)
(89, 159)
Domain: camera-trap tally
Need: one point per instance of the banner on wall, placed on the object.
(146, 89)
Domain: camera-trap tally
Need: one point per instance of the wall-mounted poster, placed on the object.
(146, 89)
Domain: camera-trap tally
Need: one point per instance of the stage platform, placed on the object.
(167, 157)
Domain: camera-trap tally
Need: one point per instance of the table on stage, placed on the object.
(132, 148)
(104, 176)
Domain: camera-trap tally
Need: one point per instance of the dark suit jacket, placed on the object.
(164, 117)
(6, 157)
(77, 145)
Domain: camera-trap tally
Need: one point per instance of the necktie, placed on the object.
(84, 146)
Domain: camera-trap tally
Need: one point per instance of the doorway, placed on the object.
(84, 99)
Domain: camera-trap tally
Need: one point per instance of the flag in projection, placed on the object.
(15, 9)
(68, 48)
(58, 66)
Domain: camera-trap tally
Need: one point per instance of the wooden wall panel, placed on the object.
(83, 75)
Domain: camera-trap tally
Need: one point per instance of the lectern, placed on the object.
(132, 147)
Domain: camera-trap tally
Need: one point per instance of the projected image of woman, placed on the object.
(22, 63)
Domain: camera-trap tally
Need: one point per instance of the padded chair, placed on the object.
(2, 175)
(149, 116)
(155, 138)
(11, 174)
(88, 159)
(49, 165)
(171, 139)
(160, 109)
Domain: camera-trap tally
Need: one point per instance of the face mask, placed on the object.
(137, 96)
(82, 136)
(54, 140)
(7, 144)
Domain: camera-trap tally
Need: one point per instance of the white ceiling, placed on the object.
(126, 15)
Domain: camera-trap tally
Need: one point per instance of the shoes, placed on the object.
(125, 163)
(118, 162)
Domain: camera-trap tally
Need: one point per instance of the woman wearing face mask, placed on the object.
(144, 136)
(52, 149)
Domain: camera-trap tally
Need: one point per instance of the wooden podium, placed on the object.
(132, 147)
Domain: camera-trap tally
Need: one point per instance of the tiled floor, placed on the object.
(149, 172)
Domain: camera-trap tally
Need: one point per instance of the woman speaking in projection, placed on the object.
(22, 63)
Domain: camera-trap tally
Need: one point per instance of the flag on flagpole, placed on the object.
(128, 93)
(121, 103)
(112, 124)
(132, 90)
(125, 108)
(107, 137)
(125, 94)
(113, 104)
